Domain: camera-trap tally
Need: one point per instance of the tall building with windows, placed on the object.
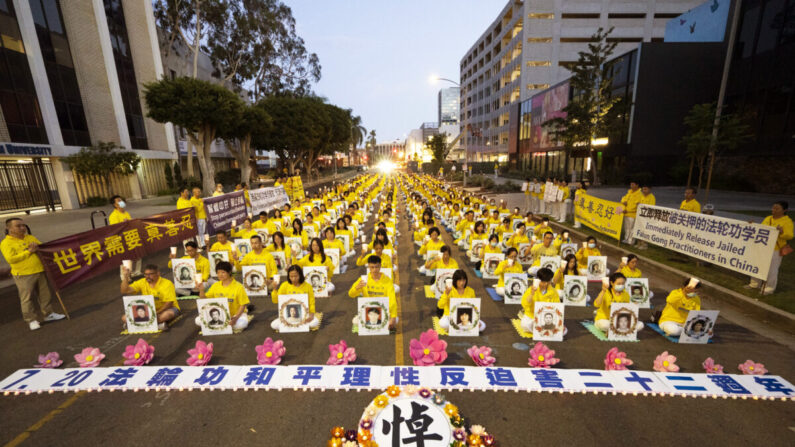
(527, 49)
(448, 105)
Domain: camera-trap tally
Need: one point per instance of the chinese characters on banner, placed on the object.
(357, 377)
(599, 214)
(265, 199)
(222, 210)
(740, 246)
(84, 255)
(294, 188)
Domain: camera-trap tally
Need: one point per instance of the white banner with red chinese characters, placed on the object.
(740, 246)
(365, 377)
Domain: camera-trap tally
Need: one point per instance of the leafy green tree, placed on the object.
(358, 132)
(699, 121)
(371, 142)
(169, 176)
(201, 108)
(296, 127)
(437, 144)
(253, 123)
(588, 114)
(103, 160)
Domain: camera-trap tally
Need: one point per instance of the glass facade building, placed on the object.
(448, 102)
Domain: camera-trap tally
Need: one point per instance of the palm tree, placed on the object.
(370, 145)
(358, 132)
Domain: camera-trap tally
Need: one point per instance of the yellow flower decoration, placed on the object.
(474, 440)
(540, 358)
(381, 401)
(618, 361)
(451, 410)
(393, 391)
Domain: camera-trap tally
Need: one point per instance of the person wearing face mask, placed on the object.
(544, 292)
(588, 250)
(119, 215)
(613, 292)
(677, 306)
(509, 265)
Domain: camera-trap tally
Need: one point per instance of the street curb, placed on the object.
(773, 315)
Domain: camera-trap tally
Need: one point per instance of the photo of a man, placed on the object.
(548, 322)
(215, 318)
(254, 281)
(140, 314)
(373, 316)
(622, 323)
(636, 294)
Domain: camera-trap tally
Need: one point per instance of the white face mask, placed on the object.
(591, 245)
(122, 204)
(619, 287)
(493, 244)
(691, 294)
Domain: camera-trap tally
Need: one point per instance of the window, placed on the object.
(17, 94)
(578, 15)
(576, 39)
(666, 15)
(625, 39)
(624, 15)
(126, 73)
(541, 15)
(60, 72)
(537, 86)
(539, 39)
(538, 63)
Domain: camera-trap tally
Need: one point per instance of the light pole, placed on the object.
(437, 78)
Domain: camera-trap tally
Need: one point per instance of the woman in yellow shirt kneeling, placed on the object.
(296, 284)
(457, 288)
(613, 292)
(509, 265)
(543, 292)
(678, 305)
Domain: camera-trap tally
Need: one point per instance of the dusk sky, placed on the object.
(378, 55)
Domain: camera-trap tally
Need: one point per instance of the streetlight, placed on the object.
(435, 78)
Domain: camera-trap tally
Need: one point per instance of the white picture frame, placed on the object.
(281, 261)
(216, 257)
(490, 263)
(243, 246)
(521, 257)
(550, 262)
(334, 254)
(459, 327)
(641, 286)
(214, 316)
(141, 313)
(623, 322)
(264, 235)
(368, 309)
(505, 237)
(567, 249)
(441, 276)
(515, 222)
(575, 290)
(549, 321)
(346, 241)
(317, 277)
(184, 271)
(515, 286)
(430, 254)
(477, 246)
(597, 268)
(699, 326)
(293, 310)
(254, 278)
(296, 245)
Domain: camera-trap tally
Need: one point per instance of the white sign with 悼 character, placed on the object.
(141, 313)
(739, 246)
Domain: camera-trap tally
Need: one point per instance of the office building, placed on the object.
(448, 105)
(527, 49)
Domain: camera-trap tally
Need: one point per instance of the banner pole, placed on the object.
(66, 312)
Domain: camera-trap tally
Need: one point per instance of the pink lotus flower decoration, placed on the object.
(711, 367)
(752, 368)
(201, 354)
(481, 355)
(89, 357)
(341, 354)
(138, 354)
(49, 360)
(616, 360)
(270, 352)
(665, 363)
(428, 350)
(541, 356)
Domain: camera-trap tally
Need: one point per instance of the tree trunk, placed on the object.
(594, 168)
(189, 157)
(245, 159)
(206, 137)
(197, 41)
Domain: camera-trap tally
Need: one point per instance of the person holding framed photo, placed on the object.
(227, 287)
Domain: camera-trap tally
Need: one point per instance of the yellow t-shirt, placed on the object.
(234, 292)
(786, 229)
(693, 206)
(261, 258)
(530, 298)
(629, 273)
(608, 298)
(382, 287)
(439, 264)
(229, 247)
(288, 253)
(259, 223)
(517, 239)
(540, 229)
(503, 268)
(183, 203)
(444, 301)
(678, 305)
(386, 260)
(117, 216)
(198, 205)
(163, 291)
(336, 243)
(431, 246)
(318, 262)
(202, 266)
(242, 233)
(582, 256)
(539, 250)
(631, 198)
(288, 289)
(22, 261)
(216, 194)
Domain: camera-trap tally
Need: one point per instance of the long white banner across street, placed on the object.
(355, 377)
(740, 246)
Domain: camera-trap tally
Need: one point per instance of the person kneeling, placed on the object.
(160, 288)
(678, 305)
(611, 293)
(542, 292)
(376, 284)
(296, 285)
(458, 289)
(227, 287)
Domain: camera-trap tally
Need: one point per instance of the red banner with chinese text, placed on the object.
(81, 256)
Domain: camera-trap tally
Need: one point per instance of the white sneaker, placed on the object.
(162, 326)
(768, 291)
(54, 317)
(34, 325)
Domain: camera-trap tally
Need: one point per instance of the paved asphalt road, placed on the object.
(296, 418)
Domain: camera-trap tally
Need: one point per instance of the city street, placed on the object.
(305, 418)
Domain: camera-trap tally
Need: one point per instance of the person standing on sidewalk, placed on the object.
(630, 202)
(20, 250)
(119, 215)
(783, 224)
(496, 170)
(690, 203)
(646, 198)
(201, 216)
(526, 187)
(219, 190)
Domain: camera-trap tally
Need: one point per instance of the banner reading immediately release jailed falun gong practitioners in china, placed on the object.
(599, 214)
(736, 245)
(265, 199)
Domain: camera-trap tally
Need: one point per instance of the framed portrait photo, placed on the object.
(699, 326)
(548, 323)
(253, 278)
(597, 268)
(141, 313)
(373, 316)
(524, 256)
(296, 245)
(346, 241)
(567, 249)
(317, 277)
(464, 317)
(638, 289)
(440, 283)
(334, 254)
(515, 286)
(550, 262)
(623, 322)
(477, 247)
(215, 257)
(214, 316)
(490, 263)
(243, 246)
(281, 261)
(184, 271)
(575, 290)
(293, 313)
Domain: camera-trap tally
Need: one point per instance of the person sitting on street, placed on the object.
(613, 292)
(296, 285)
(509, 265)
(457, 289)
(678, 305)
(166, 304)
(202, 266)
(545, 292)
(227, 287)
(376, 284)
